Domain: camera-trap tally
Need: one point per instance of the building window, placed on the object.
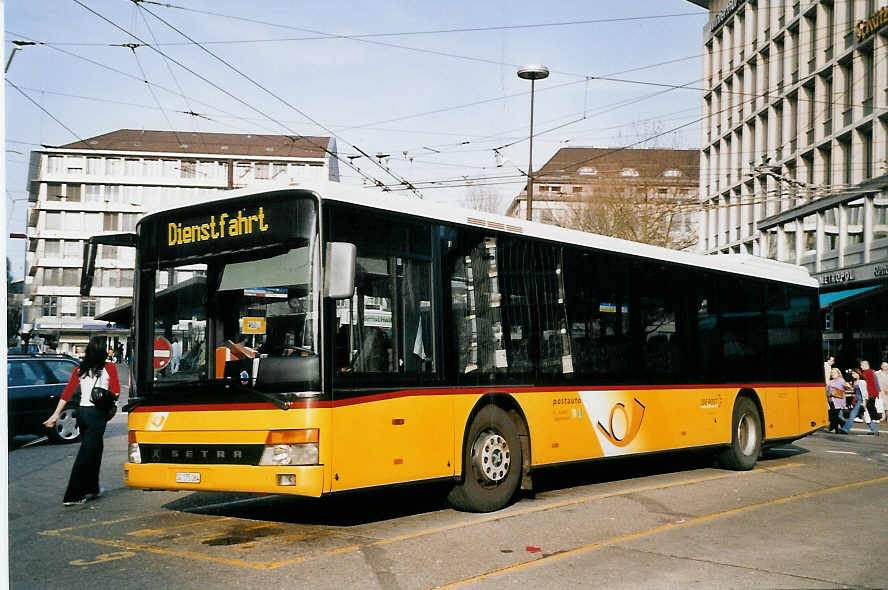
(171, 169)
(855, 213)
(152, 168)
(261, 172)
(577, 189)
(53, 220)
(114, 167)
(133, 167)
(52, 248)
(88, 308)
(189, 169)
(129, 221)
(672, 173)
(92, 193)
(629, 172)
(587, 171)
(72, 193)
(73, 248)
(74, 165)
(67, 277)
(54, 166)
(114, 194)
(50, 306)
(53, 191)
(111, 222)
(94, 166)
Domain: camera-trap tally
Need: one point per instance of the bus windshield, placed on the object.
(245, 319)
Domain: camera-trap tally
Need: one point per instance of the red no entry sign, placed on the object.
(163, 352)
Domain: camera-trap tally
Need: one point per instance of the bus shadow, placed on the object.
(377, 505)
(345, 509)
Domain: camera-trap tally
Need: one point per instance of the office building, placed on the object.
(794, 164)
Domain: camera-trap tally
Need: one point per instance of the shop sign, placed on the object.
(722, 15)
(837, 278)
(866, 28)
(863, 273)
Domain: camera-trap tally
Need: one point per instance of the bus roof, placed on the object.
(743, 264)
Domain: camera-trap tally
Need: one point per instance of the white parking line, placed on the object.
(36, 441)
(842, 452)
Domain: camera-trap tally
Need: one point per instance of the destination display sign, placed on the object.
(229, 225)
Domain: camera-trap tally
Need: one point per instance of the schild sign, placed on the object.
(163, 353)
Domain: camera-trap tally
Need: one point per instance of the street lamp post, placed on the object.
(532, 73)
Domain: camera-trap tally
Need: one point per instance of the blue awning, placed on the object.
(836, 296)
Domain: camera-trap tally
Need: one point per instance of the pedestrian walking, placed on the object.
(860, 397)
(837, 388)
(827, 368)
(872, 388)
(882, 379)
(94, 371)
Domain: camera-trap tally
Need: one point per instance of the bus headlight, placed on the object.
(291, 447)
(135, 456)
(302, 454)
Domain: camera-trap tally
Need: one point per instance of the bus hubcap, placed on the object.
(491, 456)
(746, 434)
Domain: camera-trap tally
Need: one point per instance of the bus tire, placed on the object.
(746, 437)
(492, 463)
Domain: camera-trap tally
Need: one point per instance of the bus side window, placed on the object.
(387, 326)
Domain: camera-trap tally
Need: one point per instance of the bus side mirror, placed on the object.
(339, 278)
(91, 247)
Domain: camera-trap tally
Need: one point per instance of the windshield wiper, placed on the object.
(269, 397)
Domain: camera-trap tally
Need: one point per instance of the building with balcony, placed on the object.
(106, 184)
(794, 164)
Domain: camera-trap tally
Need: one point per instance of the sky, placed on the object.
(432, 85)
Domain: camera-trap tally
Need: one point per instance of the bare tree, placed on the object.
(484, 199)
(633, 210)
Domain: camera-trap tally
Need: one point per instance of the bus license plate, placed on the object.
(187, 477)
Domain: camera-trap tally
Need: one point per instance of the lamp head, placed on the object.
(533, 72)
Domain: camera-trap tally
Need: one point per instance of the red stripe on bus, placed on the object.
(310, 404)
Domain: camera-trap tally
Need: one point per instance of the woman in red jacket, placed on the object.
(93, 372)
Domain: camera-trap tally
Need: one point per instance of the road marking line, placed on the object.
(352, 548)
(36, 441)
(842, 452)
(155, 532)
(547, 559)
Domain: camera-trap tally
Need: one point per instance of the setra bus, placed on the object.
(313, 340)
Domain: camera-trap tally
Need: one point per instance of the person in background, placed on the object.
(836, 388)
(827, 368)
(860, 396)
(872, 387)
(94, 371)
(882, 379)
(176, 355)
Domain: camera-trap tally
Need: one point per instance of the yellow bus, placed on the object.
(313, 340)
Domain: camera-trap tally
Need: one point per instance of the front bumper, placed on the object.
(306, 480)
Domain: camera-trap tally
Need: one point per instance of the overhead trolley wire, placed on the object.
(376, 182)
(226, 92)
(53, 117)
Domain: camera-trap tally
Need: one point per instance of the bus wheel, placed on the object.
(746, 437)
(492, 463)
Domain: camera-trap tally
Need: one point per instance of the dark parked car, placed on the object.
(34, 384)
